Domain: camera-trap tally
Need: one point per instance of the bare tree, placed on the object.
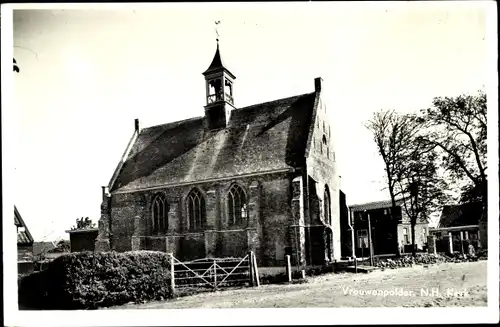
(419, 185)
(410, 166)
(393, 134)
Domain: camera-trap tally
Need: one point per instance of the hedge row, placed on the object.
(87, 281)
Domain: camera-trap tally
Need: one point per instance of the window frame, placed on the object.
(232, 207)
(195, 199)
(327, 206)
(361, 236)
(159, 215)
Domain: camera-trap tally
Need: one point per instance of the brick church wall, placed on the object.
(269, 198)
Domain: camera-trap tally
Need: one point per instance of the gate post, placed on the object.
(288, 268)
(450, 243)
(250, 268)
(255, 270)
(172, 274)
(215, 276)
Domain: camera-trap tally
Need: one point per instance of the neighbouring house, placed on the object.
(24, 244)
(42, 248)
(260, 178)
(82, 239)
(24, 239)
(458, 223)
(390, 233)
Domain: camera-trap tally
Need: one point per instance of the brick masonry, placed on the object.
(269, 231)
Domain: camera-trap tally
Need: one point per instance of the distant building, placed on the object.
(390, 233)
(261, 178)
(42, 248)
(82, 239)
(459, 222)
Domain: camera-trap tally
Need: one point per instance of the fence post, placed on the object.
(288, 268)
(256, 270)
(172, 274)
(450, 243)
(215, 276)
(462, 242)
(250, 268)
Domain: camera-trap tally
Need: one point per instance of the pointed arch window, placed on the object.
(197, 216)
(324, 146)
(237, 205)
(327, 207)
(159, 215)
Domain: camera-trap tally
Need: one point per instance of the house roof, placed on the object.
(24, 236)
(374, 205)
(264, 137)
(217, 64)
(460, 215)
(42, 247)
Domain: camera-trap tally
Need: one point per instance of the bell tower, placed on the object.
(219, 89)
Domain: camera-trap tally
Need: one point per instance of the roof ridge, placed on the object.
(376, 202)
(276, 100)
(173, 122)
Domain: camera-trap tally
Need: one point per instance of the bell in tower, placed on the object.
(219, 89)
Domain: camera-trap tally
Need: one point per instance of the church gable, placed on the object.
(320, 144)
(259, 138)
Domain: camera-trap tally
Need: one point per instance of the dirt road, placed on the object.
(451, 284)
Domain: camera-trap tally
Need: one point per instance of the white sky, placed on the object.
(85, 76)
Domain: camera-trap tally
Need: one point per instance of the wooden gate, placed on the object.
(214, 273)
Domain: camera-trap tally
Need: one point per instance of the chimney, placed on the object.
(104, 192)
(136, 124)
(317, 84)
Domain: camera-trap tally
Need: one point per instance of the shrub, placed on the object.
(86, 280)
(33, 290)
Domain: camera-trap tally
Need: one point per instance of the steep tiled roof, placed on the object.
(258, 138)
(460, 215)
(23, 236)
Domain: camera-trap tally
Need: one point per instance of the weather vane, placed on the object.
(217, 30)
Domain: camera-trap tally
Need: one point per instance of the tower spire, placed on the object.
(219, 89)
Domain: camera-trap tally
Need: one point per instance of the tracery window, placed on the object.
(196, 210)
(237, 205)
(159, 215)
(327, 207)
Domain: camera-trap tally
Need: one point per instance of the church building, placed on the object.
(260, 178)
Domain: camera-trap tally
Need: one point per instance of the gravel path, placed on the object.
(447, 284)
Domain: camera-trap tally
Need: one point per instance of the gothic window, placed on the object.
(159, 216)
(196, 210)
(327, 204)
(237, 205)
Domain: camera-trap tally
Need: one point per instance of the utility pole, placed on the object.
(370, 239)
